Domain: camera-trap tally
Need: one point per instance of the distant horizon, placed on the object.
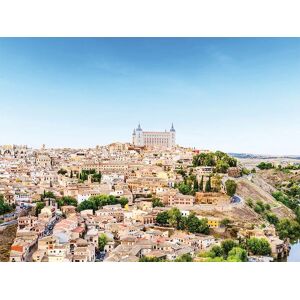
(36, 147)
(236, 94)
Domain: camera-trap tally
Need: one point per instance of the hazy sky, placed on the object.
(236, 95)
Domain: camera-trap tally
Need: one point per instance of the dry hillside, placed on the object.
(274, 177)
(259, 189)
(7, 236)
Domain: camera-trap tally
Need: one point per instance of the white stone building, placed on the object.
(162, 139)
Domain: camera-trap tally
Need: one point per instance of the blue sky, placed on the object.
(236, 95)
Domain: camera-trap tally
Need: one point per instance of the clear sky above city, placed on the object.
(235, 95)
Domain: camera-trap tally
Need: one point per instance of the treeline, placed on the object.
(183, 258)
(237, 251)
(190, 185)
(228, 251)
(219, 160)
(289, 195)
(83, 175)
(265, 166)
(268, 166)
(191, 223)
(62, 201)
(292, 190)
(94, 202)
(288, 228)
(96, 177)
(285, 228)
(97, 202)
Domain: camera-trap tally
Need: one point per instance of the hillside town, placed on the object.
(148, 200)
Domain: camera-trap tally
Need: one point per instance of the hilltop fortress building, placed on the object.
(162, 139)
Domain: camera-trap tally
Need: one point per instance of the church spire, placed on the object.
(172, 128)
(139, 127)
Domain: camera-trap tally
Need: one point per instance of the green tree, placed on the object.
(267, 206)
(258, 246)
(249, 202)
(47, 194)
(157, 203)
(216, 259)
(193, 223)
(67, 200)
(4, 207)
(39, 206)
(184, 258)
(227, 246)
(259, 207)
(96, 177)
(174, 217)
(230, 187)
(201, 184)
(245, 171)
(196, 185)
(151, 259)
(287, 228)
(183, 223)
(97, 202)
(162, 218)
(286, 200)
(85, 173)
(62, 172)
(272, 218)
(208, 185)
(102, 241)
(204, 159)
(225, 222)
(123, 201)
(181, 172)
(87, 204)
(222, 166)
(216, 251)
(237, 254)
(265, 166)
(185, 189)
(203, 226)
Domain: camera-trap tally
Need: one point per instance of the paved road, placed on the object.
(13, 222)
(49, 228)
(19, 212)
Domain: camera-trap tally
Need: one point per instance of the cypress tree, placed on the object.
(201, 185)
(196, 185)
(208, 185)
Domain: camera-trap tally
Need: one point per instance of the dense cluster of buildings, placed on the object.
(146, 169)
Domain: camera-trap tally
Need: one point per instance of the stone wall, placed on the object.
(211, 198)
